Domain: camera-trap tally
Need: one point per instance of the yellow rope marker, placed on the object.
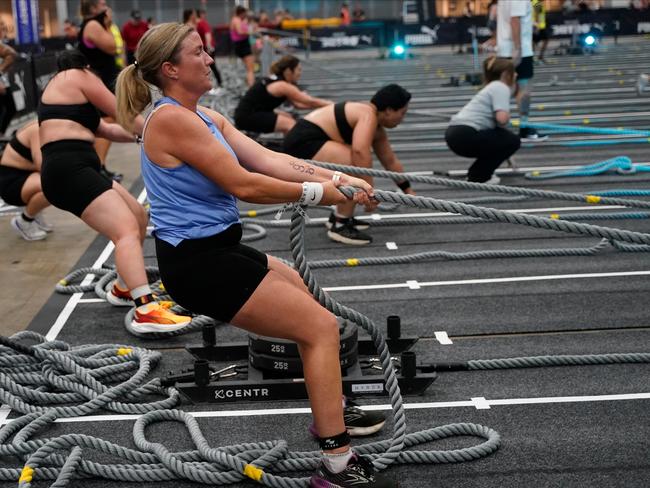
(26, 475)
(123, 351)
(573, 65)
(540, 107)
(253, 472)
(515, 122)
(535, 173)
(619, 73)
(252, 213)
(621, 82)
(567, 112)
(63, 282)
(554, 216)
(352, 262)
(585, 121)
(161, 286)
(592, 199)
(611, 70)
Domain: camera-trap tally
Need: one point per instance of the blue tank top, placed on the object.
(184, 203)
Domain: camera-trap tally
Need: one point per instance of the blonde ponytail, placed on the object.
(133, 96)
(160, 44)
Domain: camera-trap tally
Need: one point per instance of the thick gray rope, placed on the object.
(486, 213)
(512, 190)
(398, 441)
(60, 458)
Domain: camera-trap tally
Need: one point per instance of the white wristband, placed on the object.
(336, 177)
(312, 193)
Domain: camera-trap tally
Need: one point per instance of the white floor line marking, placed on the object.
(413, 284)
(391, 245)
(407, 406)
(480, 403)
(92, 300)
(511, 279)
(442, 337)
(394, 216)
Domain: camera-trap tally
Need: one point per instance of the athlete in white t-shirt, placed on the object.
(515, 41)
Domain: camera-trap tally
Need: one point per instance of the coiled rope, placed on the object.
(621, 165)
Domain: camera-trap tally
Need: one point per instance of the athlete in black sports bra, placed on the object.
(347, 133)
(20, 182)
(256, 111)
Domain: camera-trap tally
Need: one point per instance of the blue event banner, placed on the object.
(26, 15)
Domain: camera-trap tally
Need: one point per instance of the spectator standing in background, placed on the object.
(239, 35)
(515, 42)
(97, 43)
(190, 18)
(132, 31)
(7, 105)
(358, 15)
(205, 31)
(70, 32)
(120, 54)
(345, 14)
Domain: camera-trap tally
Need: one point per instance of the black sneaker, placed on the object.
(358, 224)
(358, 422)
(359, 473)
(531, 135)
(345, 232)
(110, 174)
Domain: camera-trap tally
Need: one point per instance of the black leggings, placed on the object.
(7, 110)
(491, 147)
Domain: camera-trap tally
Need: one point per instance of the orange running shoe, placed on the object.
(118, 297)
(157, 318)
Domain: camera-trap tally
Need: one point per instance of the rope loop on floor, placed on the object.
(620, 164)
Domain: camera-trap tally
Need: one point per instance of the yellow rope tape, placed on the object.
(253, 472)
(592, 199)
(123, 351)
(26, 475)
(352, 262)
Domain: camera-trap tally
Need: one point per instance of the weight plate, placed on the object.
(291, 366)
(281, 348)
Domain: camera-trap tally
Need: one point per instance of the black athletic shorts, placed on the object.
(304, 140)
(213, 276)
(242, 48)
(70, 175)
(542, 34)
(12, 181)
(525, 68)
(262, 122)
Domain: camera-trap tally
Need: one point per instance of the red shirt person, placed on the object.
(132, 31)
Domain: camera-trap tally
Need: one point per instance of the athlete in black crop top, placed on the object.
(84, 114)
(256, 111)
(20, 182)
(347, 133)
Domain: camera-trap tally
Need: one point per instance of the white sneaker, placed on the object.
(495, 180)
(43, 223)
(30, 231)
(642, 83)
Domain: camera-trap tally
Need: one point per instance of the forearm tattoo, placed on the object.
(302, 167)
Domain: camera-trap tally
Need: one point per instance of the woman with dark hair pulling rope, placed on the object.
(195, 164)
(20, 182)
(256, 111)
(347, 133)
(69, 121)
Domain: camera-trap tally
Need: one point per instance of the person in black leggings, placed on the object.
(7, 105)
(256, 111)
(348, 133)
(479, 129)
